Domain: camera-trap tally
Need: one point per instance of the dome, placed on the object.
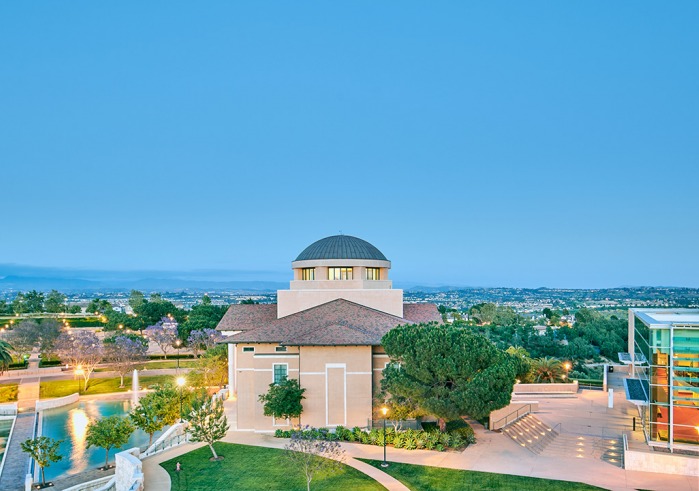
(341, 247)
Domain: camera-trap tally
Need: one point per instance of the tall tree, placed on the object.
(203, 339)
(19, 304)
(107, 433)
(80, 349)
(44, 451)
(547, 370)
(23, 337)
(484, 313)
(156, 410)
(34, 301)
(5, 355)
(136, 299)
(125, 352)
(447, 371)
(211, 369)
(55, 302)
(208, 422)
(163, 334)
(206, 300)
(99, 306)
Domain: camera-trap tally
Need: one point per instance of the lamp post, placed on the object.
(180, 384)
(178, 343)
(79, 372)
(384, 410)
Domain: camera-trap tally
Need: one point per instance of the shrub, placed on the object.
(429, 425)
(409, 439)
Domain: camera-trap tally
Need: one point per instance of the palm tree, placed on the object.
(547, 370)
(5, 355)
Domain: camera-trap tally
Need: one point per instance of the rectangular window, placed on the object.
(340, 273)
(373, 273)
(248, 349)
(308, 274)
(280, 349)
(280, 371)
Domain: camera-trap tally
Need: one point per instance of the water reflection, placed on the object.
(69, 424)
(78, 430)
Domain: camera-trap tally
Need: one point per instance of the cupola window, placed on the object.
(308, 274)
(339, 273)
(373, 273)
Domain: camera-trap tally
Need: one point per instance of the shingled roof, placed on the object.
(243, 317)
(339, 322)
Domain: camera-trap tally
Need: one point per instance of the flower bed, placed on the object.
(458, 436)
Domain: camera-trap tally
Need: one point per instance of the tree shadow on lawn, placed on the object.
(254, 468)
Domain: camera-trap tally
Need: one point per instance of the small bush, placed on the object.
(460, 436)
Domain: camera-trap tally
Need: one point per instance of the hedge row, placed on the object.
(410, 439)
(49, 363)
(18, 366)
(171, 357)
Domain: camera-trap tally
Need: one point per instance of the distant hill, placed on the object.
(17, 277)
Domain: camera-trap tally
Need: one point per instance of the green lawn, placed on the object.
(8, 392)
(255, 468)
(60, 388)
(420, 478)
(156, 365)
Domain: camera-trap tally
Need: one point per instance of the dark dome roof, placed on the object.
(341, 247)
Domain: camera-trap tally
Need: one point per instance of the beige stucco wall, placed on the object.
(379, 359)
(292, 301)
(337, 379)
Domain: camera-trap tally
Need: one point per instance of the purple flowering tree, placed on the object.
(80, 349)
(125, 353)
(163, 333)
(203, 339)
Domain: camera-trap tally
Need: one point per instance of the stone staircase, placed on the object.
(532, 434)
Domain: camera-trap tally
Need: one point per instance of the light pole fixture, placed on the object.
(178, 343)
(79, 372)
(384, 410)
(180, 384)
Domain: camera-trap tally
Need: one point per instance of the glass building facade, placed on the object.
(665, 355)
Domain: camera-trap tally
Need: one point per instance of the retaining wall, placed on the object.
(546, 388)
(661, 462)
(57, 402)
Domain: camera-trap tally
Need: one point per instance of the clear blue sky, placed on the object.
(491, 143)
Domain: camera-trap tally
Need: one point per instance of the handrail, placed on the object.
(529, 406)
(626, 441)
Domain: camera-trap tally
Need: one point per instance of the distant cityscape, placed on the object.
(522, 300)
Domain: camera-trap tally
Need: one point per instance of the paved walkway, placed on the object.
(494, 452)
(16, 461)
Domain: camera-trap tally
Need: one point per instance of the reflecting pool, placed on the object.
(69, 423)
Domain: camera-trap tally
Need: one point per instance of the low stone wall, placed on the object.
(546, 388)
(97, 484)
(8, 409)
(502, 417)
(661, 462)
(57, 402)
(129, 471)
